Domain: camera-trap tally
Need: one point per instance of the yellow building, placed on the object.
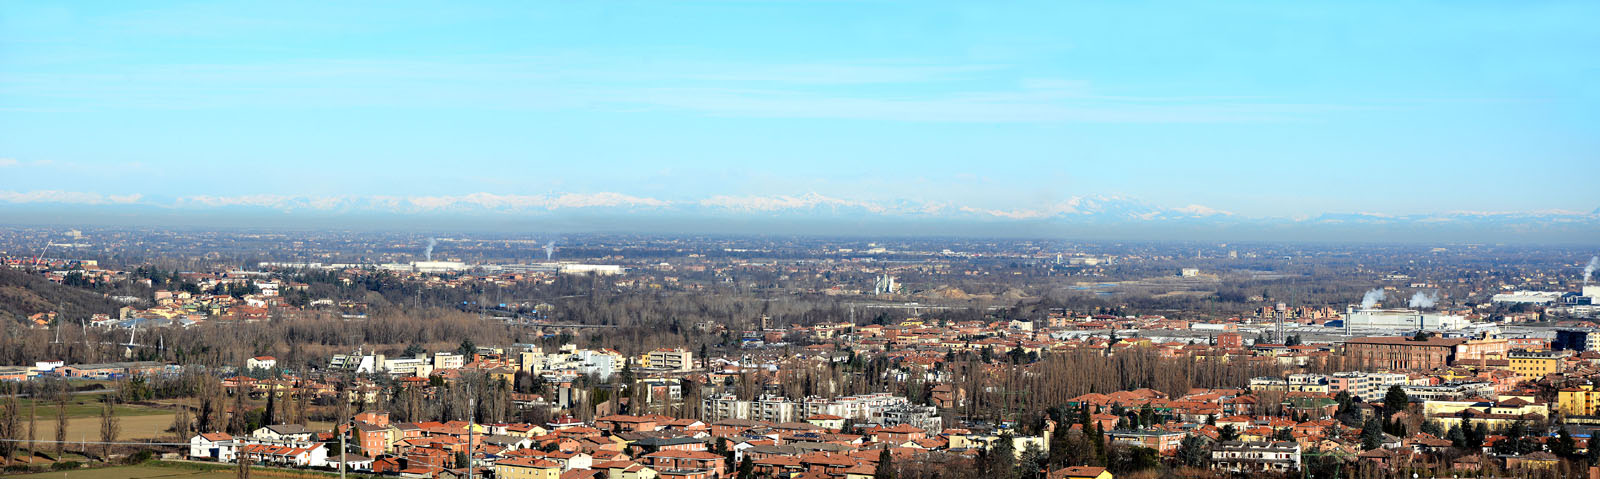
(1535, 364)
(1493, 415)
(1578, 401)
(526, 468)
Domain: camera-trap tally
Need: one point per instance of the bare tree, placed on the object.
(33, 424)
(61, 422)
(236, 421)
(9, 422)
(109, 426)
(302, 404)
(182, 422)
(243, 471)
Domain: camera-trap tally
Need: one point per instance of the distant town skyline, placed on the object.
(1199, 114)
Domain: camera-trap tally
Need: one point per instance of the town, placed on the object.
(508, 373)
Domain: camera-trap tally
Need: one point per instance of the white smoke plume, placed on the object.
(1594, 263)
(427, 254)
(549, 250)
(1422, 300)
(1371, 298)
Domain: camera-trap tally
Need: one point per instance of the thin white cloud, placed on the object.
(933, 92)
(5, 162)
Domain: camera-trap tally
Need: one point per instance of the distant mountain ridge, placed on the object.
(1087, 210)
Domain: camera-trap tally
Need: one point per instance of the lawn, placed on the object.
(87, 405)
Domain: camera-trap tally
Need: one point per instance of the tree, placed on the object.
(271, 417)
(10, 414)
(181, 422)
(243, 469)
(1371, 434)
(1194, 451)
(302, 404)
(1034, 462)
(110, 425)
(1125, 460)
(1432, 428)
(1456, 437)
(1516, 441)
(1000, 460)
(885, 469)
(747, 468)
(1228, 433)
(1474, 434)
(236, 420)
(1564, 446)
(61, 424)
(33, 426)
(1395, 401)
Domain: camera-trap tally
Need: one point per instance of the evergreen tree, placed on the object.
(1395, 401)
(1193, 451)
(1033, 463)
(1371, 434)
(271, 416)
(885, 469)
(1432, 428)
(1563, 445)
(1475, 434)
(1002, 458)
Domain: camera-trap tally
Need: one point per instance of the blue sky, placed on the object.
(1271, 109)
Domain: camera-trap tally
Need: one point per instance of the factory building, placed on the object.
(1402, 319)
(1527, 297)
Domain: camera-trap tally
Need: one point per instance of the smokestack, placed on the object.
(549, 250)
(1422, 300)
(1371, 298)
(427, 254)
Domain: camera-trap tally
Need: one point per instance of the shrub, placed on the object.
(64, 465)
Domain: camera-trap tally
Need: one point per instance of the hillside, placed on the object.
(22, 294)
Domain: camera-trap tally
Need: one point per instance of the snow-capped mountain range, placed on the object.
(1076, 209)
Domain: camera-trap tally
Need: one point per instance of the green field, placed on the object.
(87, 405)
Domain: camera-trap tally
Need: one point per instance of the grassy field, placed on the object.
(87, 405)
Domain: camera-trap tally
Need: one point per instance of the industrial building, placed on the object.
(1528, 297)
(1402, 319)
